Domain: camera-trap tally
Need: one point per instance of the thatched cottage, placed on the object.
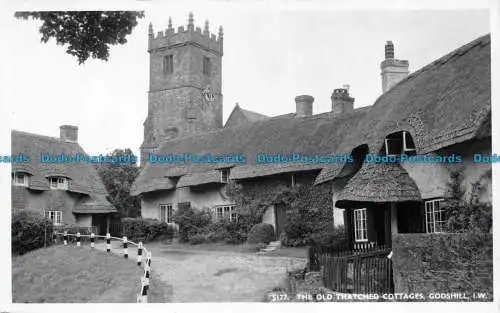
(439, 110)
(45, 179)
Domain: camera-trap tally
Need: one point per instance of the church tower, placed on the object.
(185, 80)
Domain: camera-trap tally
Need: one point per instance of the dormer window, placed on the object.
(224, 175)
(20, 179)
(58, 182)
(399, 143)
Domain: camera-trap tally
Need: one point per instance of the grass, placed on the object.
(67, 274)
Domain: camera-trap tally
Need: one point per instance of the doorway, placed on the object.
(280, 219)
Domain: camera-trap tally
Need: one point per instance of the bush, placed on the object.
(297, 232)
(261, 233)
(30, 231)
(146, 230)
(191, 222)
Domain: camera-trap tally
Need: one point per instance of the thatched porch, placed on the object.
(372, 199)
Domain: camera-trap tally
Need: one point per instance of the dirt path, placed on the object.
(203, 276)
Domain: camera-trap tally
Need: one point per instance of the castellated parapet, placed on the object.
(189, 35)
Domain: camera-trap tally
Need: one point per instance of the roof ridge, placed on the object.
(25, 133)
(325, 116)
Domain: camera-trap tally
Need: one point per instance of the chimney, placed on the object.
(69, 133)
(393, 70)
(341, 101)
(304, 105)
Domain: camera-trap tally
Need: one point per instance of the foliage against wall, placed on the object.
(309, 208)
(465, 210)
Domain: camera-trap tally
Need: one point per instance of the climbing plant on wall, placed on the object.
(466, 211)
(309, 208)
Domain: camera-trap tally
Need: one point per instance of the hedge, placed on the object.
(30, 231)
(145, 230)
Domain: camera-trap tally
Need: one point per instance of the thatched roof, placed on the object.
(83, 177)
(279, 135)
(444, 103)
(202, 178)
(94, 204)
(378, 183)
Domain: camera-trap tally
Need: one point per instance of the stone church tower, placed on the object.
(185, 80)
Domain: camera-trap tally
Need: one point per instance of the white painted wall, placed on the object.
(269, 216)
(206, 198)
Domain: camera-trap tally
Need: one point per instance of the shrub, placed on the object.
(191, 222)
(261, 233)
(30, 231)
(299, 232)
(145, 230)
(197, 239)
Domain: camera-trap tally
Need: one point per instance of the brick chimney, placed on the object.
(393, 70)
(341, 101)
(304, 105)
(69, 133)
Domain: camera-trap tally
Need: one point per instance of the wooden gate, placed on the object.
(368, 272)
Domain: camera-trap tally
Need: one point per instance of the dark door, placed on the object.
(100, 221)
(280, 214)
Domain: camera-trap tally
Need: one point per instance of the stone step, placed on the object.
(268, 249)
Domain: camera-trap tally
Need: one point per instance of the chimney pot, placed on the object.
(389, 50)
(341, 101)
(393, 70)
(304, 105)
(69, 133)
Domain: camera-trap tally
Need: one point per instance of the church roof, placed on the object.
(444, 103)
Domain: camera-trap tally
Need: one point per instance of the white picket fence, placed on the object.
(142, 297)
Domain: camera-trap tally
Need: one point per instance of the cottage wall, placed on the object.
(206, 197)
(57, 200)
(432, 178)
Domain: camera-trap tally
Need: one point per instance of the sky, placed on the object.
(271, 55)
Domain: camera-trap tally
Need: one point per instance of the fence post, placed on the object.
(108, 242)
(65, 237)
(143, 297)
(139, 254)
(125, 245)
(92, 244)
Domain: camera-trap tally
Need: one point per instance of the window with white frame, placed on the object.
(224, 212)
(166, 213)
(20, 179)
(399, 143)
(55, 216)
(58, 182)
(360, 225)
(435, 219)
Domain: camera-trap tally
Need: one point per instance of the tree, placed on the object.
(118, 178)
(87, 33)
